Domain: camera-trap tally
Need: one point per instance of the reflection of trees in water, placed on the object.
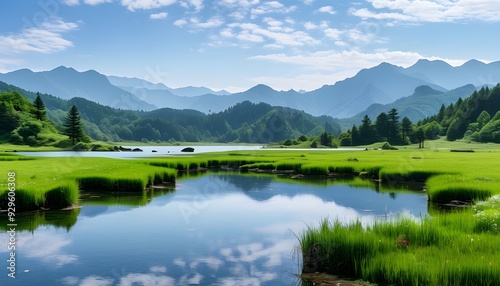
(30, 221)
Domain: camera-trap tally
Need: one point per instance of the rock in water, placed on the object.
(188, 149)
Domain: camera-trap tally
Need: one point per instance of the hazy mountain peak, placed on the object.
(60, 69)
(425, 63)
(473, 63)
(261, 88)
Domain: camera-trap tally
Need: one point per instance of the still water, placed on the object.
(147, 151)
(215, 229)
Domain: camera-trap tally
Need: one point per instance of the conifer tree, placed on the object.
(73, 125)
(39, 108)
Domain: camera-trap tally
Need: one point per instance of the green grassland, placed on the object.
(458, 248)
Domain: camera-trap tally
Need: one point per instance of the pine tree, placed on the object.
(73, 125)
(393, 126)
(355, 135)
(39, 108)
(367, 132)
(382, 126)
(405, 127)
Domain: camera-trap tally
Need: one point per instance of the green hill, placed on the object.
(22, 123)
(476, 118)
(244, 122)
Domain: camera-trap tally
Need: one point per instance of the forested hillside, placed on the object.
(244, 122)
(476, 118)
(25, 122)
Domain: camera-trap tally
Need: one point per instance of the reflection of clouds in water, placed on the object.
(241, 262)
(127, 280)
(48, 247)
(146, 279)
(212, 262)
(254, 251)
(87, 281)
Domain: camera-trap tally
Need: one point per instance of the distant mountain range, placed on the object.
(371, 89)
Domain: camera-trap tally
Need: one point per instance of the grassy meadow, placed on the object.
(454, 248)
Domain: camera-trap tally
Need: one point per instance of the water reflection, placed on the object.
(217, 229)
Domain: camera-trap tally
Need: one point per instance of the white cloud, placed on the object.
(271, 7)
(238, 3)
(133, 5)
(333, 33)
(367, 14)
(46, 38)
(280, 36)
(157, 16)
(197, 4)
(432, 11)
(310, 26)
(71, 2)
(180, 23)
(96, 2)
(211, 23)
(327, 9)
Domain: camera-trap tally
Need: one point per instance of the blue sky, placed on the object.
(236, 44)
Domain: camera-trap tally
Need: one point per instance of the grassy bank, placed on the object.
(57, 182)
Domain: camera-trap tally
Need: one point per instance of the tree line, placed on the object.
(476, 118)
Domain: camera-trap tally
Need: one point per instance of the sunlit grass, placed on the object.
(57, 182)
(448, 249)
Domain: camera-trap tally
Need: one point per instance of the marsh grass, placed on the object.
(57, 182)
(448, 249)
(62, 196)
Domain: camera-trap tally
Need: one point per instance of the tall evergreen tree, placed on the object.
(393, 125)
(39, 108)
(441, 113)
(73, 125)
(367, 133)
(355, 135)
(382, 125)
(405, 127)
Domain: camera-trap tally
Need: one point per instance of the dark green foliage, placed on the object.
(382, 126)
(406, 128)
(469, 118)
(367, 131)
(345, 139)
(22, 122)
(39, 111)
(73, 125)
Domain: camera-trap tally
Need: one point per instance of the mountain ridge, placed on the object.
(381, 84)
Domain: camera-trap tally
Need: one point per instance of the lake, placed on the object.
(215, 229)
(147, 151)
(164, 151)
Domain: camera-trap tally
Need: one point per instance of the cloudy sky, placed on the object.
(236, 44)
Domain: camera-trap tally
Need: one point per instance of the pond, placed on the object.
(215, 229)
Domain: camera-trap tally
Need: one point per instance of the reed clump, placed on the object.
(450, 249)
